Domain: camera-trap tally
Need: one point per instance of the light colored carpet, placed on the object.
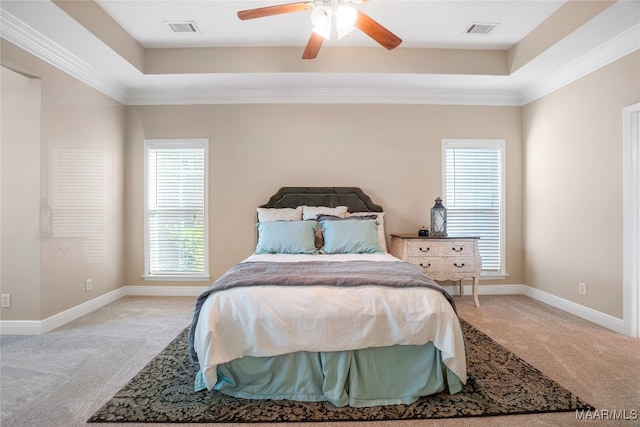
(62, 378)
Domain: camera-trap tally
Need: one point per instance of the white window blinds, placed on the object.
(78, 194)
(473, 181)
(176, 208)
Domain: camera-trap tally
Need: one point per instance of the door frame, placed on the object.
(631, 218)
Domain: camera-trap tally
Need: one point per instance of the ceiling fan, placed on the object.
(328, 16)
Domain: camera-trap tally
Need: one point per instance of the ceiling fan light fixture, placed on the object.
(321, 21)
(345, 17)
(325, 21)
(323, 31)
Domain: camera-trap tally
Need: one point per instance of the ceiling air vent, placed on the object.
(183, 27)
(480, 28)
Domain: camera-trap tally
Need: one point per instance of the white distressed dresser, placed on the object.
(441, 258)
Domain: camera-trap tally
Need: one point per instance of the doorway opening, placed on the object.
(631, 219)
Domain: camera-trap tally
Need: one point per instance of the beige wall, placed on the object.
(563, 152)
(88, 126)
(391, 151)
(20, 194)
(573, 186)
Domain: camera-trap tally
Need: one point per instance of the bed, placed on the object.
(321, 311)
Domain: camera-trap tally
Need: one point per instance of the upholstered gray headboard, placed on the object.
(352, 197)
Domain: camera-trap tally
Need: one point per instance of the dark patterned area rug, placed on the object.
(500, 383)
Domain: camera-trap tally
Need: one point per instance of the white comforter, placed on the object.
(271, 320)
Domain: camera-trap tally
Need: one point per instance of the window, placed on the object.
(473, 188)
(176, 236)
(78, 195)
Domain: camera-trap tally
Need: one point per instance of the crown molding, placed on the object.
(22, 35)
(444, 96)
(25, 37)
(608, 52)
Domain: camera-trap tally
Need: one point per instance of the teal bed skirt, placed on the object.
(393, 375)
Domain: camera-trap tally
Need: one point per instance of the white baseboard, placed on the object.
(20, 327)
(39, 327)
(586, 313)
(488, 289)
(165, 291)
(34, 327)
(57, 320)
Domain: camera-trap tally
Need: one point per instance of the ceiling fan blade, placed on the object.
(313, 46)
(274, 10)
(377, 32)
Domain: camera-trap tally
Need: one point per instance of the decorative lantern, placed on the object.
(438, 219)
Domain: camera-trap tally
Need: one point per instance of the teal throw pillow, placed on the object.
(286, 237)
(350, 237)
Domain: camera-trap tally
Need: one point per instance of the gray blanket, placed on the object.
(316, 273)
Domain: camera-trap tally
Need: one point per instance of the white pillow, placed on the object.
(311, 212)
(382, 241)
(280, 214)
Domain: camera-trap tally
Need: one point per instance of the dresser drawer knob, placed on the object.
(424, 250)
(458, 265)
(425, 266)
(460, 249)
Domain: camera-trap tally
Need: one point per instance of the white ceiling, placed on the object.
(437, 24)
(44, 29)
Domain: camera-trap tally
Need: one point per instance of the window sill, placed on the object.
(175, 278)
(493, 276)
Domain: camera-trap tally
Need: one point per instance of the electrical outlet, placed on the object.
(88, 285)
(582, 288)
(6, 300)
